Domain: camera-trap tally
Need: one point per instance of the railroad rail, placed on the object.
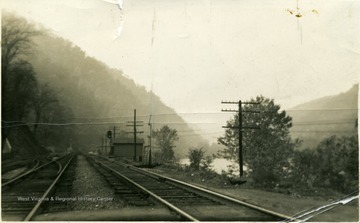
(23, 197)
(8, 165)
(8, 171)
(186, 201)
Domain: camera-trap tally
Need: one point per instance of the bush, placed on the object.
(196, 157)
(265, 178)
(333, 165)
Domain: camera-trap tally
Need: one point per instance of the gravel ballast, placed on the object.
(90, 190)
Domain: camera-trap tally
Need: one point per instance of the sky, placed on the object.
(194, 54)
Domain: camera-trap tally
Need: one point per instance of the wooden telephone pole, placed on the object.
(135, 132)
(149, 137)
(240, 127)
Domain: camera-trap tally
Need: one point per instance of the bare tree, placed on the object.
(21, 90)
(44, 98)
(17, 75)
(16, 41)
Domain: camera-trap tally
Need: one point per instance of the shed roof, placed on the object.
(127, 141)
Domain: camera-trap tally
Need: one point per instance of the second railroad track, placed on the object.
(187, 202)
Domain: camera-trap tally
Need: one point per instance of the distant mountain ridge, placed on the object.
(345, 100)
(98, 98)
(321, 118)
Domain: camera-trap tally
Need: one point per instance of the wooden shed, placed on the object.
(125, 148)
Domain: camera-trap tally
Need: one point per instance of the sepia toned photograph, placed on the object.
(180, 110)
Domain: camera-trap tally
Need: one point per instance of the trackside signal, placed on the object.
(109, 134)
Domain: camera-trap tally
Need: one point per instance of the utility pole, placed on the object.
(102, 145)
(240, 127)
(149, 137)
(105, 145)
(99, 147)
(134, 125)
(115, 131)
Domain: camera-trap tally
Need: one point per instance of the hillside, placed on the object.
(93, 98)
(23, 143)
(321, 118)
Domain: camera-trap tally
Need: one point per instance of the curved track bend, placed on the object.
(23, 196)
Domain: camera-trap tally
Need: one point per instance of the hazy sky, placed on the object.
(194, 54)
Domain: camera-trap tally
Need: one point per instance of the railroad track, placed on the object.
(10, 165)
(24, 196)
(18, 170)
(186, 201)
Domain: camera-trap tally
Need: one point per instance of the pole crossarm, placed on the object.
(243, 127)
(251, 103)
(229, 110)
(240, 127)
(136, 132)
(229, 102)
(237, 102)
(135, 124)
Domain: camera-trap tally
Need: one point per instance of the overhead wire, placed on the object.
(208, 113)
(90, 121)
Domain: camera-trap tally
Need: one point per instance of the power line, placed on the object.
(211, 133)
(195, 113)
(295, 124)
(320, 131)
(59, 124)
(240, 126)
(329, 120)
(330, 109)
(329, 123)
(135, 132)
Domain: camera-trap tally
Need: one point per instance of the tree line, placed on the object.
(273, 159)
(25, 99)
(63, 94)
